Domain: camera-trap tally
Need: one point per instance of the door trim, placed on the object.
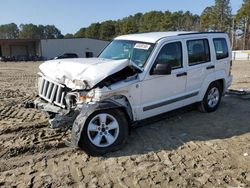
(150, 107)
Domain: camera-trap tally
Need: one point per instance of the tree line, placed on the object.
(214, 18)
(29, 31)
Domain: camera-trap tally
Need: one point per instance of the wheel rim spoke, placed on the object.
(213, 91)
(103, 118)
(209, 97)
(92, 127)
(113, 125)
(109, 138)
(216, 93)
(97, 139)
(210, 102)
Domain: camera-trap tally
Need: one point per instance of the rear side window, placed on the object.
(221, 49)
(198, 51)
(171, 53)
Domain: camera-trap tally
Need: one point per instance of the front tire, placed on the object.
(212, 98)
(104, 131)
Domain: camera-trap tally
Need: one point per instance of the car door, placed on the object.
(200, 65)
(161, 93)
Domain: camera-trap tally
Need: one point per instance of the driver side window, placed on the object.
(171, 53)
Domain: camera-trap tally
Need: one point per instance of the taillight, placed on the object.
(230, 69)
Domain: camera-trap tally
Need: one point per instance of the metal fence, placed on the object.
(241, 55)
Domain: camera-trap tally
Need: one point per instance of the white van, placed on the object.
(136, 76)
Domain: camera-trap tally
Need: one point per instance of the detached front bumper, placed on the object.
(58, 117)
(48, 107)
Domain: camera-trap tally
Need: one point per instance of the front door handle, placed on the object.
(210, 67)
(181, 74)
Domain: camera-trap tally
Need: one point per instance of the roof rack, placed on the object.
(198, 33)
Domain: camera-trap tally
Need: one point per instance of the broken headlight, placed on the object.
(74, 98)
(85, 96)
(77, 84)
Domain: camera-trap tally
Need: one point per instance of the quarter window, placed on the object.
(198, 51)
(171, 53)
(221, 49)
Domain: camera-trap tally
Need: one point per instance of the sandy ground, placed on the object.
(185, 149)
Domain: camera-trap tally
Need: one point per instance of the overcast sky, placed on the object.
(70, 16)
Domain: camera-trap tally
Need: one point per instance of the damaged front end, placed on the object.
(71, 91)
(57, 101)
(58, 117)
(63, 104)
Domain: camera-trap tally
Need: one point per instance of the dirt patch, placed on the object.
(184, 149)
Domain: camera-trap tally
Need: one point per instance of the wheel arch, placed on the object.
(219, 76)
(222, 83)
(112, 103)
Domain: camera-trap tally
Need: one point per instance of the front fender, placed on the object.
(86, 111)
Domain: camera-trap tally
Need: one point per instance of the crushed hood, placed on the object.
(90, 71)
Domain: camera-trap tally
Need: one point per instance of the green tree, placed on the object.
(243, 23)
(30, 31)
(208, 19)
(93, 31)
(127, 25)
(176, 19)
(151, 21)
(9, 31)
(51, 32)
(217, 17)
(131, 24)
(190, 21)
(68, 35)
(81, 33)
(167, 23)
(107, 30)
(224, 14)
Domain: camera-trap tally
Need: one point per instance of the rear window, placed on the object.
(221, 48)
(198, 51)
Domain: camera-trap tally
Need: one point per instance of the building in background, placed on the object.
(19, 47)
(50, 48)
(83, 47)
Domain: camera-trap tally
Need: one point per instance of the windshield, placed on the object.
(138, 52)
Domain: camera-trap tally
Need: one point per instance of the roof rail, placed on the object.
(198, 33)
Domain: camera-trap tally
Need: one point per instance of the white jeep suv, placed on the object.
(135, 77)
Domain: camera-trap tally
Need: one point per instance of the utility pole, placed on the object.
(245, 33)
(222, 15)
(233, 34)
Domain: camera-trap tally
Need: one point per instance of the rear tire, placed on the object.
(212, 98)
(104, 131)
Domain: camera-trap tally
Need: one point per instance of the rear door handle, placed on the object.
(181, 74)
(210, 67)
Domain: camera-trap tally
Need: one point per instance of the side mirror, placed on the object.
(161, 68)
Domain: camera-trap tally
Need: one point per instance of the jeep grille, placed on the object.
(51, 91)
